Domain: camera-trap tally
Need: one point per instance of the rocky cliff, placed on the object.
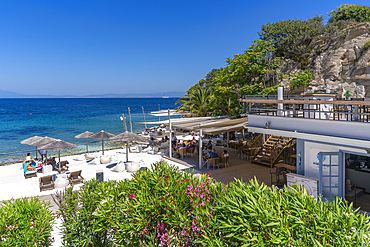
(339, 64)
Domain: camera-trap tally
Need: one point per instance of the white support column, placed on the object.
(280, 105)
(170, 137)
(200, 149)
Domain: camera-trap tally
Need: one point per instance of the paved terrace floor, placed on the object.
(239, 169)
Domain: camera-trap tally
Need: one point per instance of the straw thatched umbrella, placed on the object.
(28, 141)
(127, 137)
(102, 135)
(58, 145)
(86, 135)
(42, 142)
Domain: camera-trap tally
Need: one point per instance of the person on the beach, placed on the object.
(42, 153)
(225, 154)
(53, 162)
(28, 163)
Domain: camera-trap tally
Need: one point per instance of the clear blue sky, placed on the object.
(96, 47)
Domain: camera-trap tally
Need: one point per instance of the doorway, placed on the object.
(357, 180)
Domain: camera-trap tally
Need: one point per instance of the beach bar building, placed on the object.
(332, 138)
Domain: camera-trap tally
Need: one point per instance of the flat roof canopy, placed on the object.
(214, 126)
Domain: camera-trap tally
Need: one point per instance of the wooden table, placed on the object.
(288, 167)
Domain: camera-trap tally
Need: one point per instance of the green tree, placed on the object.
(291, 38)
(196, 100)
(346, 12)
(256, 66)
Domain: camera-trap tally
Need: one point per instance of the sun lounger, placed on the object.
(46, 183)
(30, 174)
(75, 177)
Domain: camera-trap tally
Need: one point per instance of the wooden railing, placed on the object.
(345, 110)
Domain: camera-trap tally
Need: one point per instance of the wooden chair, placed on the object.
(214, 162)
(182, 152)
(63, 166)
(46, 183)
(225, 161)
(191, 151)
(75, 177)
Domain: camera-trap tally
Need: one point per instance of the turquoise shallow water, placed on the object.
(66, 118)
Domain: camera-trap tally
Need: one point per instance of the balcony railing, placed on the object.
(343, 110)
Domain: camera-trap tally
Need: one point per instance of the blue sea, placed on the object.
(65, 118)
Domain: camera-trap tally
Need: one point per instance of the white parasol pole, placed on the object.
(200, 148)
(170, 130)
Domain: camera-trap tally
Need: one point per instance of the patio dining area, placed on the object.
(238, 168)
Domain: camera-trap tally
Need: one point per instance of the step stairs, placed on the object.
(269, 153)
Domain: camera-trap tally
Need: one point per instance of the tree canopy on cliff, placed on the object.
(345, 12)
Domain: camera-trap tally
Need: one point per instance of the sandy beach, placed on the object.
(14, 185)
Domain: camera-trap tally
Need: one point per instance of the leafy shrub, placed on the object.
(80, 226)
(355, 12)
(26, 222)
(253, 214)
(165, 207)
(159, 207)
(366, 45)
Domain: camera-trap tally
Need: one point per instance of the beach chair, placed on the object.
(63, 166)
(46, 183)
(75, 177)
(225, 161)
(182, 152)
(214, 162)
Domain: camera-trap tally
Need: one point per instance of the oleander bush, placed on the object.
(77, 209)
(253, 214)
(166, 207)
(26, 222)
(160, 207)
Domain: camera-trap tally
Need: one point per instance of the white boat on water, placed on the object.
(165, 97)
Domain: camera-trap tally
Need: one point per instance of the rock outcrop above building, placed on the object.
(339, 64)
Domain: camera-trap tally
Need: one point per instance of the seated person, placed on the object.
(182, 146)
(53, 162)
(151, 142)
(213, 154)
(209, 144)
(225, 154)
(28, 167)
(205, 151)
(28, 163)
(173, 139)
(191, 145)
